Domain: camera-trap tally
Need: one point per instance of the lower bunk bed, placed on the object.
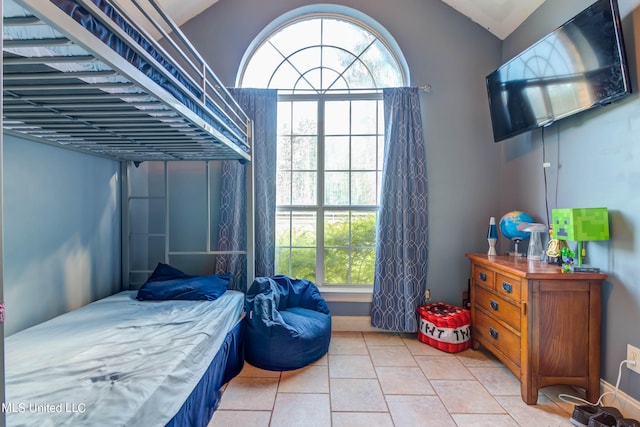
(124, 362)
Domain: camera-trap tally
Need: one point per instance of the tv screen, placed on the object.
(578, 66)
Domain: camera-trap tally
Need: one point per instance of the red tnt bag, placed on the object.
(445, 327)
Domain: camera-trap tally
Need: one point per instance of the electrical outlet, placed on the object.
(427, 294)
(633, 353)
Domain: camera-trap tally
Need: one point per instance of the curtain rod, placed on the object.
(424, 88)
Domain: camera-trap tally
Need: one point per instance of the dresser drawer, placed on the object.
(483, 276)
(508, 287)
(491, 332)
(498, 307)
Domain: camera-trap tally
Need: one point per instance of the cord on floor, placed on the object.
(573, 399)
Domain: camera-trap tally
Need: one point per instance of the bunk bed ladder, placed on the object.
(133, 274)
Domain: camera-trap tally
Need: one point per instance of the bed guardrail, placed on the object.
(92, 75)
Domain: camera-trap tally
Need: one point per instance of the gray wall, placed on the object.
(594, 160)
(61, 230)
(443, 49)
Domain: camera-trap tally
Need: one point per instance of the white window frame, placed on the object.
(320, 207)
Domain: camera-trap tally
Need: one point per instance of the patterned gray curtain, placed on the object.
(401, 251)
(261, 106)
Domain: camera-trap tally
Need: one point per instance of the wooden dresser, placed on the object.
(542, 324)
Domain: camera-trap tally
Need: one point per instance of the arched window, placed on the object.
(329, 70)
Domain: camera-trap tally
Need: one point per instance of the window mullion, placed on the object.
(290, 137)
(320, 195)
(350, 249)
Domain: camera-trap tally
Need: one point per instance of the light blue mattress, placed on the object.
(115, 362)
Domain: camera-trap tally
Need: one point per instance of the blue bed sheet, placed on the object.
(198, 409)
(127, 362)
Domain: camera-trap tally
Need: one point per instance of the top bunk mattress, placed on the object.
(115, 362)
(80, 73)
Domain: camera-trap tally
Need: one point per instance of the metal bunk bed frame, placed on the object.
(142, 124)
(114, 109)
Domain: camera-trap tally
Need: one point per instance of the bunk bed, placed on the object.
(85, 75)
(78, 73)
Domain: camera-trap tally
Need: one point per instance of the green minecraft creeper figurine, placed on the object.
(580, 224)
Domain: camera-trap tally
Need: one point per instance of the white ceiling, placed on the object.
(500, 17)
(183, 10)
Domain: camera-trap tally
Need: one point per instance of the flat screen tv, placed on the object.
(580, 65)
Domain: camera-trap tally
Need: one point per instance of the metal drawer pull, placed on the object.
(483, 277)
(507, 287)
(494, 305)
(494, 333)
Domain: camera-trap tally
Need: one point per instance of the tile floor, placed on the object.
(385, 379)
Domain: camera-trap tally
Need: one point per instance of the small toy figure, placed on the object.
(554, 247)
(568, 259)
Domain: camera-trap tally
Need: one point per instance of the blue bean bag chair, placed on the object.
(289, 323)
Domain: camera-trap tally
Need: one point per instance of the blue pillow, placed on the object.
(169, 283)
(166, 272)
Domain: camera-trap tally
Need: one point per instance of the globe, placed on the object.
(511, 225)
